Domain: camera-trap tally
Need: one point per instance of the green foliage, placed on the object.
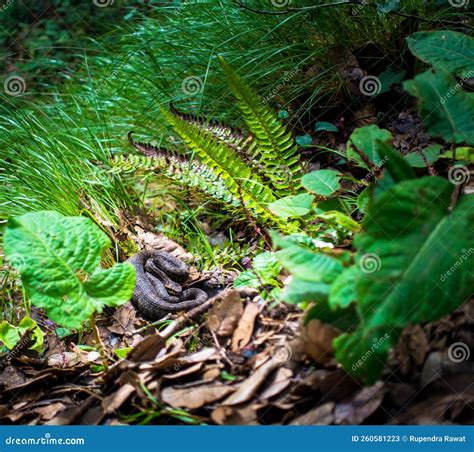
(410, 242)
(292, 206)
(424, 157)
(447, 50)
(322, 182)
(365, 140)
(58, 259)
(11, 334)
(265, 270)
(254, 169)
(447, 109)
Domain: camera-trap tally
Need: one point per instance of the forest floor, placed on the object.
(236, 360)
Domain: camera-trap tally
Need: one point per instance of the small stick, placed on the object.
(99, 344)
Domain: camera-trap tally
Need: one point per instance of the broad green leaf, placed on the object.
(343, 293)
(447, 110)
(322, 182)
(247, 278)
(422, 273)
(309, 265)
(340, 219)
(365, 140)
(323, 126)
(292, 206)
(449, 51)
(301, 291)
(58, 259)
(10, 334)
(431, 154)
(267, 264)
(394, 164)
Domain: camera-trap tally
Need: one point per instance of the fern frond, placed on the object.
(243, 145)
(189, 174)
(226, 164)
(275, 148)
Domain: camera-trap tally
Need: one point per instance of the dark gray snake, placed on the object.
(158, 290)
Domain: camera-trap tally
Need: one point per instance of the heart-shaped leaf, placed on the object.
(322, 182)
(292, 206)
(58, 258)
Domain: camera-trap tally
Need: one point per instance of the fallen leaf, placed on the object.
(361, 406)
(321, 415)
(279, 381)
(317, 338)
(47, 412)
(248, 387)
(147, 349)
(195, 396)
(228, 415)
(65, 359)
(244, 330)
(225, 314)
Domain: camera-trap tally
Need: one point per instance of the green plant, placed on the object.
(248, 171)
(11, 334)
(409, 265)
(58, 259)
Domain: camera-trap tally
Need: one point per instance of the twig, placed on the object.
(100, 346)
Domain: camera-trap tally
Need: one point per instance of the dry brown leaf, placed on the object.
(195, 396)
(125, 317)
(147, 349)
(244, 330)
(182, 373)
(279, 381)
(152, 241)
(114, 401)
(225, 314)
(249, 387)
(317, 338)
(321, 415)
(361, 406)
(66, 359)
(228, 415)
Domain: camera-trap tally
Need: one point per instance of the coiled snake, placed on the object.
(157, 289)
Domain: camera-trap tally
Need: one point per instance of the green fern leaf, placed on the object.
(275, 148)
(226, 165)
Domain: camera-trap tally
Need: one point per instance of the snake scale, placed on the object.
(158, 290)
